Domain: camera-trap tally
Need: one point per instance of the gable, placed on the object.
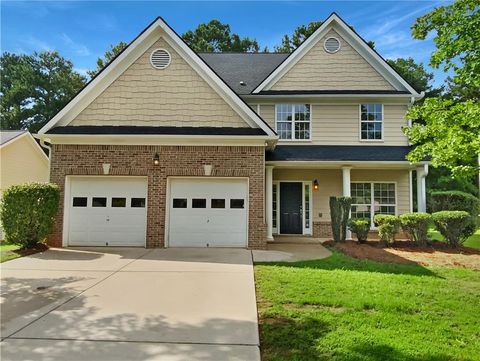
(145, 96)
(344, 70)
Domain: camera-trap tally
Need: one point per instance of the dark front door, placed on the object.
(291, 208)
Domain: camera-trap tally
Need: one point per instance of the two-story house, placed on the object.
(166, 147)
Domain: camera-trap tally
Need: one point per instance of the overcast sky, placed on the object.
(82, 30)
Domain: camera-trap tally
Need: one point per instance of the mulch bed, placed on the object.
(39, 247)
(407, 252)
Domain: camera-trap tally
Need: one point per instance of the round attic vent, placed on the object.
(160, 58)
(331, 45)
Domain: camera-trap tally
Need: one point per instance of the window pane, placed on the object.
(137, 203)
(302, 130)
(218, 203)
(119, 202)
(307, 206)
(237, 203)
(361, 193)
(99, 202)
(361, 211)
(371, 118)
(80, 201)
(284, 130)
(179, 202)
(199, 203)
(384, 193)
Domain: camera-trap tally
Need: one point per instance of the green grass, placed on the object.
(7, 251)
(473, 241)
(342, 308)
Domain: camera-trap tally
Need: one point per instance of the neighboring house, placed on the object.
(166, 147)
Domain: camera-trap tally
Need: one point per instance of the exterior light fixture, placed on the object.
(156, 159)
(315, 185)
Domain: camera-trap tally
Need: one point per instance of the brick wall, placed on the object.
(322, 230)
(174, 161)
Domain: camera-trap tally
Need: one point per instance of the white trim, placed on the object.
(156, 30)
(355, 41)
(381, 140)
(160, 67)
(325, 46)
(410, 191)
(293, 121)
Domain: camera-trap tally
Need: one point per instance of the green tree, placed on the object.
(109, 55)
(217, 37)
(34, 88)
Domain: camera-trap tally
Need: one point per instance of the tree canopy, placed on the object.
(107, 57)
(217, 37)
(34, 88)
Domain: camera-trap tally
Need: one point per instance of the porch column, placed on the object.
(422, 172)
(346, 189)
(268, 200)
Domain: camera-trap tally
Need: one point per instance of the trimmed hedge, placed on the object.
(339, 213)
(452, 224)
(416, 226)
(28, 212)
(388, 226)
(360, 227)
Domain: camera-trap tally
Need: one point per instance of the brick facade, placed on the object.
(137, 160)
(322, 230)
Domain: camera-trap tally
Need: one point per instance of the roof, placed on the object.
(8, 135)
(251, 68)
(338, 153)
(332, 92)
(148, 130)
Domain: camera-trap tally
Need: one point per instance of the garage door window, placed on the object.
(199, 203)
(179, 202)
(80, 201)
(137, 203)
(218, 203)
(99, 202)
(119, 202)
(237, 203)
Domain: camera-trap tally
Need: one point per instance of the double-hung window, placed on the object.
(373, 198)
(371, 121)
(292, 121)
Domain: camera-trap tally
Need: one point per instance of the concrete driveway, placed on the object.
(130, 304)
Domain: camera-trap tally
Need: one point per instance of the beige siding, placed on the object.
(175, 96)
(22, 162)
(319, 70)
(330, 184)
(340, 124)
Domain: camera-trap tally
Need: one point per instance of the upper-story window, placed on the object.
(292, 121)
(371, 119)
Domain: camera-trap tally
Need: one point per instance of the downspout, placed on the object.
(49, 148)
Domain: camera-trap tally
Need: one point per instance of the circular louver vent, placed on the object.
(160, 59)
(332, 45)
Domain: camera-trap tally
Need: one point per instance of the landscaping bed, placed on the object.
(436, 253)
(10, 251)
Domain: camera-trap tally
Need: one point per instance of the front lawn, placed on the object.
(7, 251)
(473, 241)
(342, 308)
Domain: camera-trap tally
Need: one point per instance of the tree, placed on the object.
(217, 37)
(109, 55)
(34, 88)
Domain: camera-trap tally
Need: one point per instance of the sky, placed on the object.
(83, 30)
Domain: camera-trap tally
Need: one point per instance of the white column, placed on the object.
(268, 200)
(421, 188)
(346, 189)
(410, 190)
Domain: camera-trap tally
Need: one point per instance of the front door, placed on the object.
(291, 208)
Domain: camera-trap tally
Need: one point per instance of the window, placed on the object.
(119, 202)
(370, 199)
(293, 121)
(371, 119)
(179, 202)
(237, 203)
(274, 206)
(137, 203)
(99, 202)
(80, 201)
(307, 205)
(199, 203)
(217, 203)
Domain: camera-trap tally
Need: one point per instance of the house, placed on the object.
(168, 148)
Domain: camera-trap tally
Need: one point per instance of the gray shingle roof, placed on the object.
(8, 135)
(251, 68)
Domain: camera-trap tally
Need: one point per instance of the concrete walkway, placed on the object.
(130, 304)
(291, 252)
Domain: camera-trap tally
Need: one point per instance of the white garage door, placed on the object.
(107, 211)
(208, 212)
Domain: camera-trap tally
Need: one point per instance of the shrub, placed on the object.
(28, 211)
(451, 224)
(360, 227)
(388, 225)
(457, 201)
(339, 213)
(416, 226)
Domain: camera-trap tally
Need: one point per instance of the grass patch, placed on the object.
(473, 241)
(341, 308)
(7, 251)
